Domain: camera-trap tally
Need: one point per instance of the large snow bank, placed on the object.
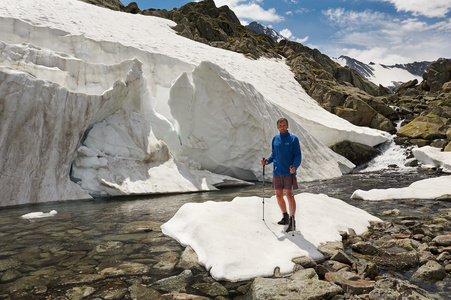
(67, 66)
(234, 243)
(431, 188)
(228, 126)
(431, 156)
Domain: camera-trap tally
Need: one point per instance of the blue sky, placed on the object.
(381, 31)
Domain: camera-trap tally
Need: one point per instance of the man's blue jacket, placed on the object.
(286, 152)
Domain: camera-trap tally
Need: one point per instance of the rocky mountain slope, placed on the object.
(427, 107)
(389, 76)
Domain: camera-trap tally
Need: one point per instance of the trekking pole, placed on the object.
(264, 190)
(292, 199)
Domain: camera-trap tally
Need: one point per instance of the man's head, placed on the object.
(282, 125)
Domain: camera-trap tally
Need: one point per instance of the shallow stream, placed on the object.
(43, 256)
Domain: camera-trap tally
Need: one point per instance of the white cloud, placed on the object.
(286, 33)
(302, 41)
(303, 10)
(289, 36)
(251, 10)
(428, 8)
(374, 36)
(350, 19)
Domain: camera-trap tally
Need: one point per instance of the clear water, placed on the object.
(85, 236)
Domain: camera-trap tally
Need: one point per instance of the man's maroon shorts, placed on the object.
(284, 182)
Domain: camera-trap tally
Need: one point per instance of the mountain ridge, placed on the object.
(390, 76)
(262, 29)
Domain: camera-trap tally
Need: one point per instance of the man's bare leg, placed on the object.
(281, 201)
(291, 202)
(283, 207)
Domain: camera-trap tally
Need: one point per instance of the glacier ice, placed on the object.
(70, 73)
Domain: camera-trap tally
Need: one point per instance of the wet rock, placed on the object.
(124, 268)
(399, 261)
(443, 257)
(277, 274)
(211, 289)
(167, 262)
(391, 212)
(165, 248)
(448, 268)
(189, 259)
(342, 257)
(28, 283)
(115, 292)
(365, 248)
(304, 261)
(391, 256)
(339, 277)
(305, 274)
(143, 226)
(402, 245)
(78, 293)
(182, 296)
(141, 292)
(108, 249)
(394, 289)
(442, 240)
(337, 266)
(370, 270)
(321, 270)
(425, 256)
(355, 152)
(77, 279)
(284, 288)
(11, 275)
(6, 264)
(174, 283)
(357, 287)
(430, 272)
(330, 248)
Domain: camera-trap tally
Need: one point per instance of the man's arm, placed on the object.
(297, 153)
(270, 159)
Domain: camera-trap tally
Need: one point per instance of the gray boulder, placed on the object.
(431, 271)
(394, 289)
(286, 288)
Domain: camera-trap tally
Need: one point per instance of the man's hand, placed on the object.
(292, 169)
(264, 161)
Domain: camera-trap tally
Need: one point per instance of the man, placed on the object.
(287, 157)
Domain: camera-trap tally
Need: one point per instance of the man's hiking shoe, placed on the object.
(285, 219)
(291, 225)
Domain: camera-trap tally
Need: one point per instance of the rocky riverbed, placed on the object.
(114, 249)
